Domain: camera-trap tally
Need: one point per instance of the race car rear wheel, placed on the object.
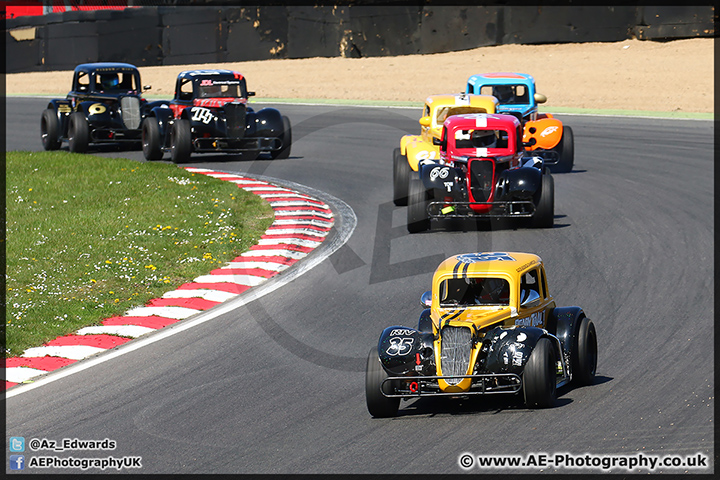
(418, 200)
(50, 130)
(152, 150)
(180, 141)
(378, 404)
(584, 358)
(286, 138)
(544, 216)
(539, 382)
(401, 176)
(78, 133)
(566, 152)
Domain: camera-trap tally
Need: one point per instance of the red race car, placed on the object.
(484, 171)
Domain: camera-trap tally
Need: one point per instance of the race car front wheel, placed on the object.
(50, 130)
(152, 150)
(401, 176)
(78, 133)
(418, 200)
(584, 359)
(180, 141)
(378, 404)
(539, 382)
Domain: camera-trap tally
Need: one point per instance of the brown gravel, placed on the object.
(628, 75)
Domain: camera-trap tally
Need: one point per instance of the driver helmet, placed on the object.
(483, 138)
(109, 80)
(503, 93)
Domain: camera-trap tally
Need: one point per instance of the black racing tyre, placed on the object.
(566, 152)
(401, 177)
(151, 147)
(584, 358)
(286, 138)
(180, 141)
(50, 130)
(418, 200)
(544, 216)
(378, 404)
(539, 376)
(78, 133)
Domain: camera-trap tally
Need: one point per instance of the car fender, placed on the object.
(266, 122)
(518, 183)
(147, 107)
(507, 350)
(418, 150)
(63, 109)
(547, 133)
(404, 350)
(97, 113)
(425, 323)
(164, 117)
(442, 177)
(565, 322)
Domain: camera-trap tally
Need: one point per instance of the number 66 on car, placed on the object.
(490, 327)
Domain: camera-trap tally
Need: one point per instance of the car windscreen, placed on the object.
(508, 94)
(116, 81)
(444, 112)
(469, 291)
(222, 88)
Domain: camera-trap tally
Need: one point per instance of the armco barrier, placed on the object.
(165, 35)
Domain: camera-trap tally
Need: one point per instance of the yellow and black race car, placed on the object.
(490, 327)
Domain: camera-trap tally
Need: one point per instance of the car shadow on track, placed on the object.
(471, 225)
(482, 405)
(235, 157)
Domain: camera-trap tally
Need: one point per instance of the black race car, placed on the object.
(209, 113)
(104, 106)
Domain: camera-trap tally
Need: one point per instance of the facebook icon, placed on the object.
(17, 462)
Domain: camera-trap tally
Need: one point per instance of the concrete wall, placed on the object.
(167, 35)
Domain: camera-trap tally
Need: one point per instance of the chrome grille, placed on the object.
(130, 107)
(455, 352)
(235, 114)
(481, 179)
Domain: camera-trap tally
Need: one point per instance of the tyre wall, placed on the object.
(165, 35)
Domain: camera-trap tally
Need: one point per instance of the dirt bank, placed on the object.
(628, 75)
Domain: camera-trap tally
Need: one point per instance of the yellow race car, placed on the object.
(415, 149)
(490, 326)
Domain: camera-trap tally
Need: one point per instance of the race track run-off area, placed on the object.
(301, 224)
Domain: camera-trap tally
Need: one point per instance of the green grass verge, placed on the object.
(88, 238)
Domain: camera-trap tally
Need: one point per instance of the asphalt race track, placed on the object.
(277, 385)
